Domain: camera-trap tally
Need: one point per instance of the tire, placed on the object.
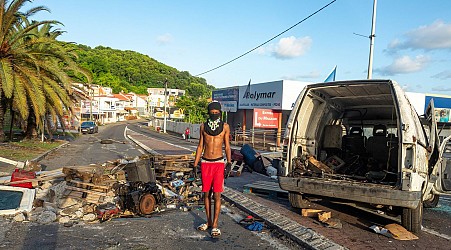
(433, 202)
(411, 219)
(297, 201)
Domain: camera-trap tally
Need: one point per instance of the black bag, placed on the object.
(258, 166)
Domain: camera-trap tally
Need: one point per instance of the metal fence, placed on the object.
(260, 139)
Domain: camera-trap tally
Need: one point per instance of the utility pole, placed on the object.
(373, 29)
(165, 103)
(91, 90)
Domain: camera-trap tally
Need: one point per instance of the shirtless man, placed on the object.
(213, 134)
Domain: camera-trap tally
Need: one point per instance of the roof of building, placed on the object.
(122, 97)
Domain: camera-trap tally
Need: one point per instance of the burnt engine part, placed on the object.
(140, 171)
(138, 197)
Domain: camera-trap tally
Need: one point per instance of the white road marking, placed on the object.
(178, 146)
(427, 230)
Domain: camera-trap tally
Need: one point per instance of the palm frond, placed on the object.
(20, 99)
(6, 77)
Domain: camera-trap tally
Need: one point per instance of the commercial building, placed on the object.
(259, 106)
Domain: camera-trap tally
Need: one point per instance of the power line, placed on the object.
(274, 37)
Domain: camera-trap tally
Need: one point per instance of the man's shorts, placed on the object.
(212, 175)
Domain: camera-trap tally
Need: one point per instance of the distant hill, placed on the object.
(132, 71)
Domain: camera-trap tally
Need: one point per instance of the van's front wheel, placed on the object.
(297, 201)
(411, 218)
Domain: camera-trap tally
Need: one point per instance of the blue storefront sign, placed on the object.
(228, 98)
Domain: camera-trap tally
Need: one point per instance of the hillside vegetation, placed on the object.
(132, 71)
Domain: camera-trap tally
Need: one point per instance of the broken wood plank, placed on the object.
(86, 191)
(318, 166)
(90, 184)
(324, 216)
(309, 212)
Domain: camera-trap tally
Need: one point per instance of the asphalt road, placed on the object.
(172, 229)
(356, 223)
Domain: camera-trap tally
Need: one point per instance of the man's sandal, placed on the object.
(215, 232)
(202, 227)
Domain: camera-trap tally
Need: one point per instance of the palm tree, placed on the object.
(33, 77)
(58, 59)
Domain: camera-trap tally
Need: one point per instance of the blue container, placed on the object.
(249, 154)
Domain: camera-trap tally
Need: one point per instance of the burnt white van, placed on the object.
(362, 142)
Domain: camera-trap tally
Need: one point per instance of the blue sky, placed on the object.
(412, 44)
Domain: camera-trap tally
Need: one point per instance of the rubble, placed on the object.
(46, 217)
(19, 217)
(126, 187)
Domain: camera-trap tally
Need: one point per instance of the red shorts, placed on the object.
(212, 176)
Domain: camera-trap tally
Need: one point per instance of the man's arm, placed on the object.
(200, 146)
(227, 142)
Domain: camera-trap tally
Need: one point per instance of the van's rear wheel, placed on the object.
(296, 200)
(432, 202)
(411, 218)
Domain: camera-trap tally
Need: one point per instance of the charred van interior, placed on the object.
(348, 132)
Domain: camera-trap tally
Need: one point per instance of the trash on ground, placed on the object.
(400, 233)
(381, 230)
(394, 231)
(324, 216)
(256, 226)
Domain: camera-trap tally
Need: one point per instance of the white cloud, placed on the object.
(164, 39)
(309, 75)
(441, 88)
(404, 65)
(428, 37)
(287, 48)
(291, 47)
(443, 75)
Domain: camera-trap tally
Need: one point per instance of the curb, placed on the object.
(147, 149)
(39, 158)
(306, 237)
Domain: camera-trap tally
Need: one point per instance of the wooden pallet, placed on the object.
(166, 164)
(268, 188)
(88, 192)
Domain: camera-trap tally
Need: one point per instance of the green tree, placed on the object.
(33, 65)
(195, 109)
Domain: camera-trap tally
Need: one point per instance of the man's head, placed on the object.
(214, 110)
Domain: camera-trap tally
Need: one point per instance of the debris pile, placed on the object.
(125, 187)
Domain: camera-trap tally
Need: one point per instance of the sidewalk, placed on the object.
(251, 204)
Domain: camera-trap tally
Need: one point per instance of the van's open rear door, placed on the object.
(439, 164)
(434, 141)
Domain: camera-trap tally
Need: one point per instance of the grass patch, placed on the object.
(26, 149)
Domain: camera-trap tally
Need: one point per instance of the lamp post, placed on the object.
(165, 103)
(373, 28)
